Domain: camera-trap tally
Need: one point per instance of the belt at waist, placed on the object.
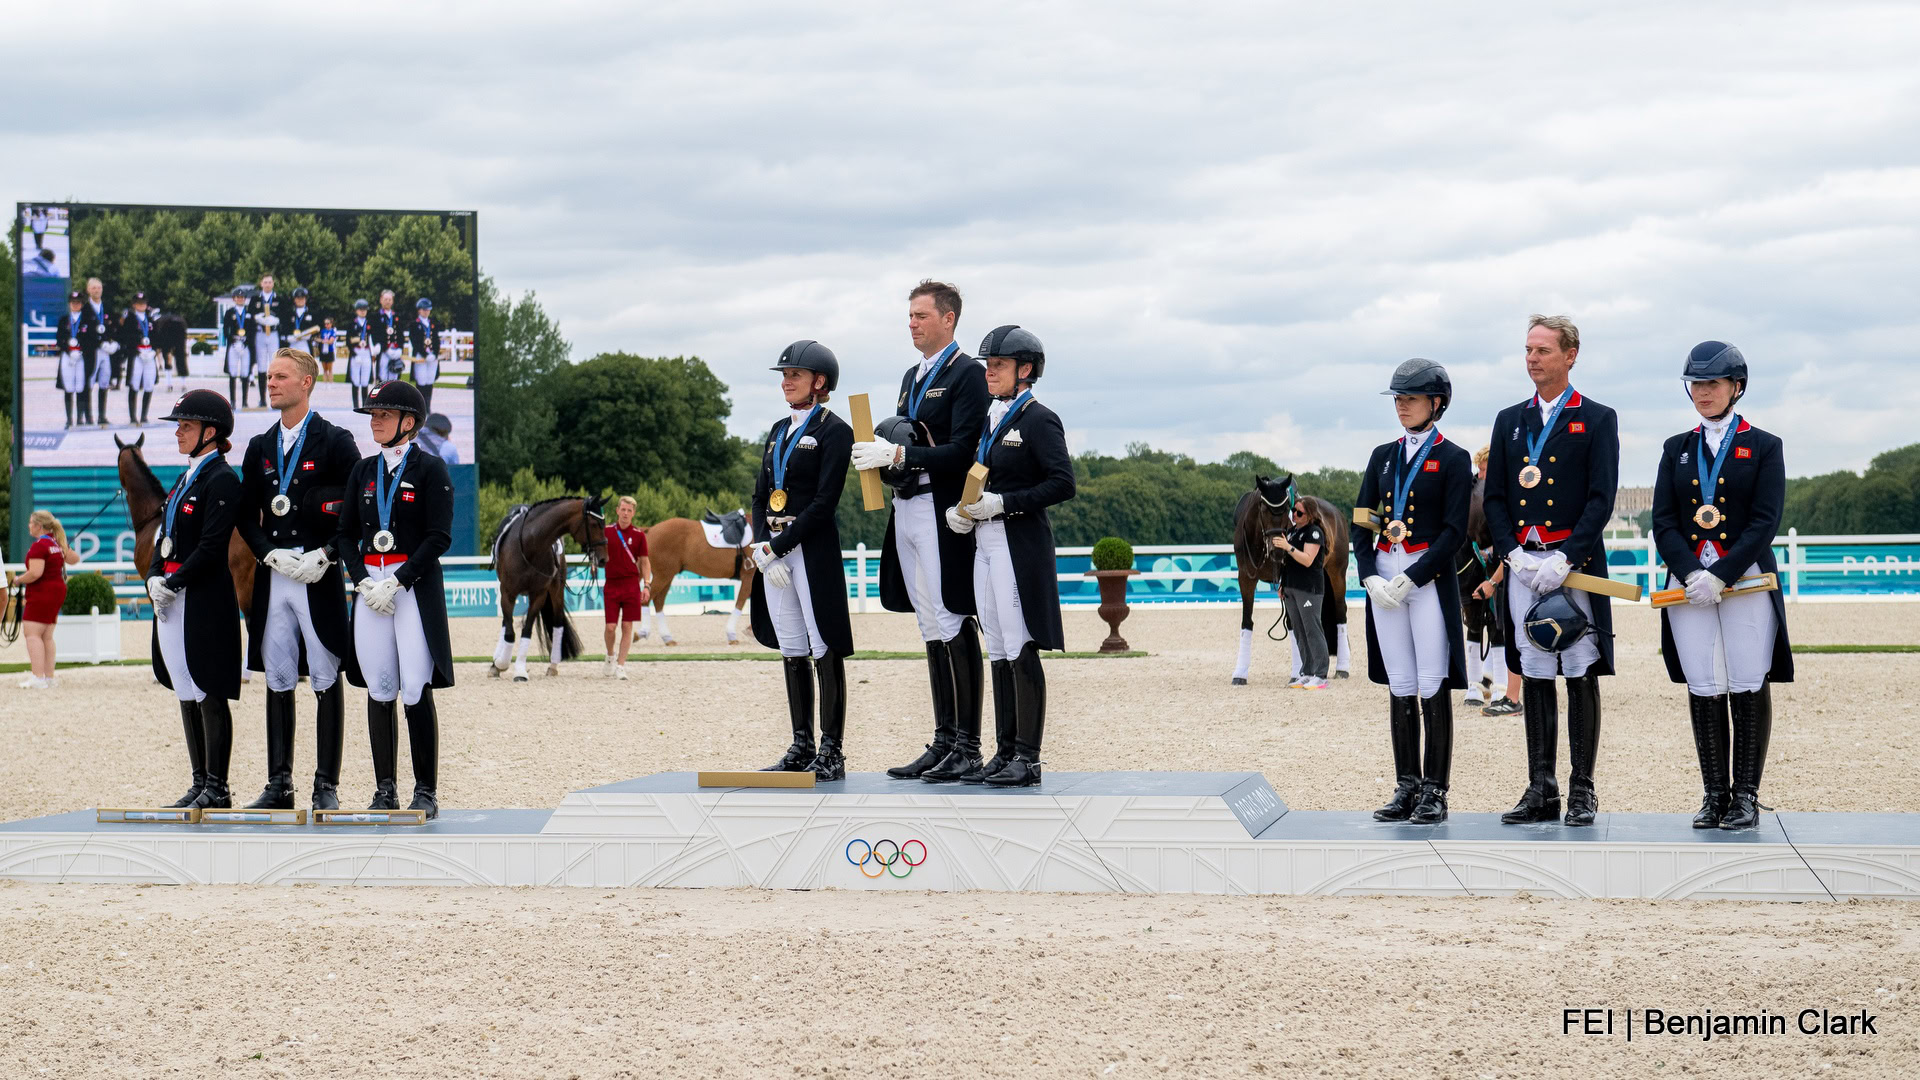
(1548, 538)
(170, 567)
(1408, 548)
(392, 558)
(778, 525)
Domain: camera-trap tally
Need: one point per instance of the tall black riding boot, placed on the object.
(1432, 807)
(800, 753)
(133, 410)
(263, 389)
(1710, 741)
(1541, 801)
(329, 732)
(383, 734)
(216, 726)
(69, 411)
(940, 677)
(1403, 731)
(146, 405)
(1005, 724)
(964, 651)
(278, 794)
(831, 764)
(1752, 727)
(1030, 721)
(423, 744)
(196, 751)
(103, 409)
(1583, 747)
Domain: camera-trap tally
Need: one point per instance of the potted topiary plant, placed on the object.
(89, 628)
(1112, 566)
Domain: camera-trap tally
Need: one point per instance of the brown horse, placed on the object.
(1264, 510)
(529, 561)
(146, 499)
(680, 544)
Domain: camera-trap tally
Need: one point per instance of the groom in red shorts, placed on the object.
(629, 573)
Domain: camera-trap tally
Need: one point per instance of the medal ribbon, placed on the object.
(1402, 489)
(1709, 478)
(919, 391)
(784, 446)
(180, 487)
(992, 437)
(383, 493)
(1539, 442)
(289, 455)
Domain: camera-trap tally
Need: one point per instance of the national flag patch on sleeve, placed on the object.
(306, 465)
(1743, 451)
(406, 496)
(1432, 466)
(1577, 427)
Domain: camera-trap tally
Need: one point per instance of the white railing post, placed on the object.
(860, 573)
(1793, 563)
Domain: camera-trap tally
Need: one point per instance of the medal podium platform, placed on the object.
(1147, 832)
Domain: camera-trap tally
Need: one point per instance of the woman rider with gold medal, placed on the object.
(1716, 509)
(1415, 641)
(801, 608)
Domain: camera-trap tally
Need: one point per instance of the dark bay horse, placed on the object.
(1261, 511)
(529, 561)
(680, 544)
(146, 500)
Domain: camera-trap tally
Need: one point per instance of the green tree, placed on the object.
(220, 241)
(299, 252)
(160, 266)
(101, 245)
(627, 420)
(519, 350)
(422, 256)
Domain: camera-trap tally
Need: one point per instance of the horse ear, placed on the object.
(141, 441)
(1259, 481)
(117, 444)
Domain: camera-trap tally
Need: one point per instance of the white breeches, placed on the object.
(791, 610)
(392, 365)
(140, 371)
(426, 371)
(289, 622)
(1727, 646)
(996, 592)
(73, 370)
(1413, 637)
(102, 369)
(394, 658)
(264, 346)
(239, 360)
(1537, 663)
(916, 541)
(171, 632)
(360, 368)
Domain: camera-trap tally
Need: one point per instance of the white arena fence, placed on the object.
(1884, 567)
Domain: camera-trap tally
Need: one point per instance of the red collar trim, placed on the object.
(1438, 438)
(1572, 402)
(1741, 430)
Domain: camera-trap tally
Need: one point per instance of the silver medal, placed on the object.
(166, 547)
(281, 506)
(383, 541)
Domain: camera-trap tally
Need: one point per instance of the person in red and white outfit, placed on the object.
(629, 582)
(45, 580)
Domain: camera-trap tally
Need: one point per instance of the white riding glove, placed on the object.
(282, 561)
(877, 454)
(1704, 588)
(310, 566)
(379, 594)
(1378, 592)
(763, 557)
(1522, 563)
(1551, 573)
(111, 348)
(1399, 588)
(990, 505)
(958, 521)
(778, 575)
(161, 596)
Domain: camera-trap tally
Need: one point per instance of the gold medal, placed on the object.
(1530, 476)
(1708, 517)
(777, 501)
(1395, 532)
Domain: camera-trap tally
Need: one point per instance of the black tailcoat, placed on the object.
(298, 319)
(91, 334)
(383, 335)
(1437, 509)
(236, 324)
(131, 338)
(1750, 493)
(1030, 469)
(422, 529)
(1571, 505)
(816, 473)
(423, 340)
(202, 530)
(954, 411)
(317, 491)
(259, 305)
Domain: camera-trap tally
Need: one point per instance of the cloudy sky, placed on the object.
(1228, 222)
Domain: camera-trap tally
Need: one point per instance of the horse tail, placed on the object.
(553, 616)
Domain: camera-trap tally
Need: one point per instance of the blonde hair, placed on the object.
(626, 500)
(1480, 457)
(46, 520)
(302, 360)
(1569, 333)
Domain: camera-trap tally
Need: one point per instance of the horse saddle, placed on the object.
(728, 530)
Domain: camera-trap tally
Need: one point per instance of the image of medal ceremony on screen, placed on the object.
(125, 308)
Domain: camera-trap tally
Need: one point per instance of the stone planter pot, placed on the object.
(1113, 605)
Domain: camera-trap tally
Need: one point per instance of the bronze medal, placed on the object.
(1395, 532)
(1708, 516)
(777, 501)
(1530, 476)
